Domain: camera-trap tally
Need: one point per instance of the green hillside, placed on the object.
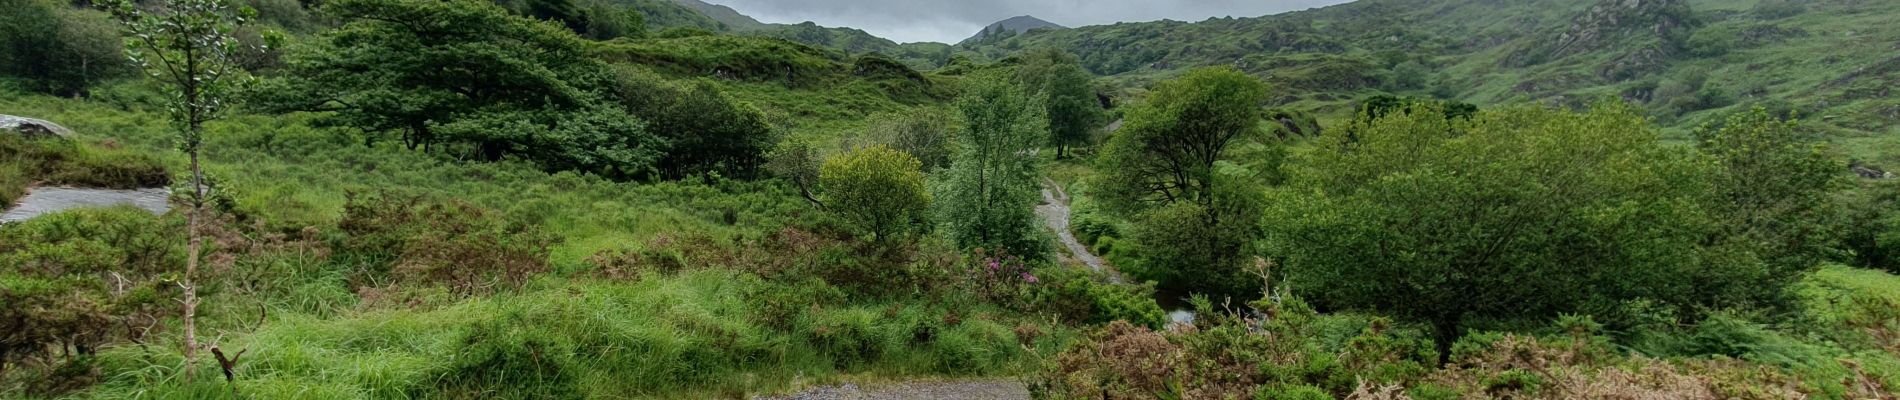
(1686, 61)
(666, 199)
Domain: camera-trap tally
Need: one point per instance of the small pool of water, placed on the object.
(46, 200)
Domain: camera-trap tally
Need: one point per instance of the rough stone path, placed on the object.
(997, 389)
(1055, 212)
(45, 200)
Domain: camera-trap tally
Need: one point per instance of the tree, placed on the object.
(464, 76)
(708, 131)
(58, 49)
(797, 160)
(878, 189)
(988, 195)
(1515, 215)
(1164, 169)
(187, 46)
(1069, 101)
(929, 134)
(1777, 191)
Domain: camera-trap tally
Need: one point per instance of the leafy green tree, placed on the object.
(926, 133)
(1068, 98)
(1872, 225)
(1165, 168)
(1777, 190)
(708, 131)
(58, 49)
(878, 189)
(186, 45)
(467, 77)
(988, 196)
(797, 160)
(1514, 215)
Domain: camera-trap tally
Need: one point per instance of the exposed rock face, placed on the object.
(33, 128)
(1611, 20)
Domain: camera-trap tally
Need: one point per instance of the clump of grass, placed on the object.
(26, 162)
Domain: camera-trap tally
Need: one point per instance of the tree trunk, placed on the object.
(194, 247)
(1445, 331)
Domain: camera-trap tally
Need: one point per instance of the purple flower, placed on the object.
(1029, 278)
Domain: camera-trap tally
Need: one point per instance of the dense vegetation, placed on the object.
(656, 199)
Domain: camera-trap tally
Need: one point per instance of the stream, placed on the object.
(46, 200)
(1055, 213)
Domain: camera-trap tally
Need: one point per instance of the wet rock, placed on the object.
(33, 128)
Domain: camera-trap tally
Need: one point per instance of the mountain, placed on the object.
(1011, 27)
(1688, 62)
(726, 15)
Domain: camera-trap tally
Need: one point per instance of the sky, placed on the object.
(951, 21)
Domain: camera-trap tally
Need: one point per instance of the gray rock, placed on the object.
(33, 128)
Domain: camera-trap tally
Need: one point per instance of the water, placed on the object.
(46, 200)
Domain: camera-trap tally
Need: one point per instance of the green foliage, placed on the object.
(987, 198)
(58, 49)
(706, 130)
(879, 189)
(72, 277)
(1449, 221)
(1068, 97)
(729, 56)
(25, 162)
(1379, 106)
(1083, 296)
(1872, 226)
(1164, 167)
(930, 134)
(1776, 190)
(519, 87)
(467, 249)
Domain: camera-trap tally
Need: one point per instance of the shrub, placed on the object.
(467, 249)
(1082, 296)
(72, 280)
(878, 189)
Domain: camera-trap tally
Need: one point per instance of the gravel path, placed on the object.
(41, 201)
(996, 389)
(1055, 212)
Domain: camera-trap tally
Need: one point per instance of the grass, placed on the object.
(570, 333)
(689, 335)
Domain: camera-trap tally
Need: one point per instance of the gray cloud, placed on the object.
(953, 20)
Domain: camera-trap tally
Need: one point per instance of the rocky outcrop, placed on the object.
(33, 128)
(1610, 20)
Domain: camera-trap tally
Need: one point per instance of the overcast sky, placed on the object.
(951, 21)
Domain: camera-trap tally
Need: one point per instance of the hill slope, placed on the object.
(726, 15)
(1687, 61)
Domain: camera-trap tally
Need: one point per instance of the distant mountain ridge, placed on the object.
(1011, 27)
(726, 15)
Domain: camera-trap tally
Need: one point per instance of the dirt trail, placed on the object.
(1055, 212)
(45, 200)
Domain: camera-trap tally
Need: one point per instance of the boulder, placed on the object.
(33, 128)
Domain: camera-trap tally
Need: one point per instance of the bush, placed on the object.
(71, 278)
(1081, 296)
(878, 189)
(467, 249)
